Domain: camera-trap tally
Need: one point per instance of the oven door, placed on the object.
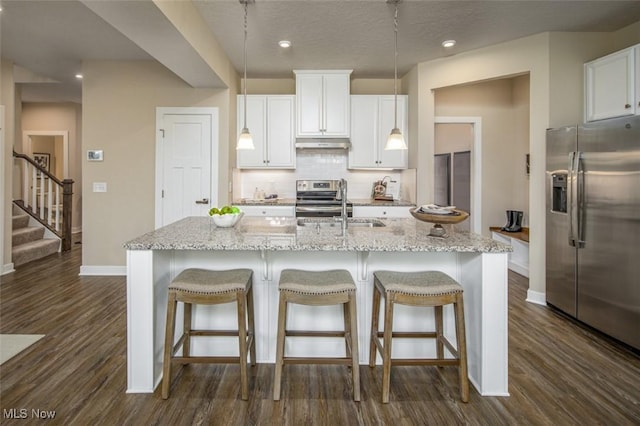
(316, 210)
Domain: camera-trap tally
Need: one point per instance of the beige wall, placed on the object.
(119, 112)
(453, 137)
(626, 37)
(7, 98)
(61, 117)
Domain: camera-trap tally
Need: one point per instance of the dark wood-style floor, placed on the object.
(560, 373)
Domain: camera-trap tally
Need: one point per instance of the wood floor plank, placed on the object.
(560, 372)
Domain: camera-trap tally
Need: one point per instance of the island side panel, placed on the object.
(484, 279)
(145, 272)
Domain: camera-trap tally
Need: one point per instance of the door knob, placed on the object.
(203, 201)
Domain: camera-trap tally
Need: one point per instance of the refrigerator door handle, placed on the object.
(571, 196)
(579, 170)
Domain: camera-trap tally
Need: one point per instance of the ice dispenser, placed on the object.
(559, 192)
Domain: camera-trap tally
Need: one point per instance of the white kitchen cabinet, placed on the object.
(372, 118)
(270, 211)
(611, 85)
(270, 119)
(381, 211)
(322, 103)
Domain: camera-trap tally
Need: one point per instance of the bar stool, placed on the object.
(426, 288)
(204, 287)
(318, 288)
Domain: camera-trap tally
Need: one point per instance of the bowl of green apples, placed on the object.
(226, 216)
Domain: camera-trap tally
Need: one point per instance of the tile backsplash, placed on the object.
(314, 164)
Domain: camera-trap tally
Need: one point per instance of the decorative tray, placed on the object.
(456, 216)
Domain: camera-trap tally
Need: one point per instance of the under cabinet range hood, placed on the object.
(322, 143)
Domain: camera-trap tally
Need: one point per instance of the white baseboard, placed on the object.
(536, 297)
(97, 270)
(6, 269)
(516, 267)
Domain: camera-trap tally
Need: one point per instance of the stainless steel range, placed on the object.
(319, 198)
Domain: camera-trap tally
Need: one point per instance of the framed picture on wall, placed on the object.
(42, 159)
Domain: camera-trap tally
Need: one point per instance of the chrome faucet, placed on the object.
(343, 212)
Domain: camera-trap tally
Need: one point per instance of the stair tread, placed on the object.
(26, 230)
(35, 244)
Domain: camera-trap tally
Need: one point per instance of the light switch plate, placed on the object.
(99, 187)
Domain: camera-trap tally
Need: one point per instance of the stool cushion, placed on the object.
(316, 282)
(423, 283)
(203, 281)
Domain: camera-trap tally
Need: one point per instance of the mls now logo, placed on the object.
(23, 413)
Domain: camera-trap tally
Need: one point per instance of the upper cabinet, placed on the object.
(322, 103)
(372, 118)
(612, 85)
(270, 119)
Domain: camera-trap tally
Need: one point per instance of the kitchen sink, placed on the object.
(351, 223)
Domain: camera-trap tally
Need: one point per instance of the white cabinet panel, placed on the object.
(271, 211)
(610, 85)
(381, 211)
(322, 103)
(372, 118)
(270, 121)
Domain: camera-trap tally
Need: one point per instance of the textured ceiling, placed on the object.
(51, 38)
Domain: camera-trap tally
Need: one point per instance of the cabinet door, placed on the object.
(270, 211)
(364, 134)
(256, 122)
(396, 159)
(610, 86)
(381, 211)
(309, 105)
(280, 131)
(336, 105)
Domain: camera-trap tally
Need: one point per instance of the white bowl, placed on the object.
(226, 220)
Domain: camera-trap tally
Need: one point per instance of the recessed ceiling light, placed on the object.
(284, 43)
(448, 43)
(79, 76)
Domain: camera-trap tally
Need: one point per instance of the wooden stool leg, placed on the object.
(252, 327)
(168, 345)
(437, 311)
(355, 358)
(375, 318)
(282, 315)
(242, 340)
(186, 345)
(347, 329)
(386, 349)
(462, 348)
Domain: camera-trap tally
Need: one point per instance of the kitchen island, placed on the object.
(267, 245)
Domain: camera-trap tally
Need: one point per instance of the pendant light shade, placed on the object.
(245, 140)
(395, 141)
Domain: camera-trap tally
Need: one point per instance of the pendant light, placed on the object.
(395, 141)
(245, 140)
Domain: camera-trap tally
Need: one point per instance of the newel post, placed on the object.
(67, 192)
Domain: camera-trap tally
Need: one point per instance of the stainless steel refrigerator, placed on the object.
(593, 225)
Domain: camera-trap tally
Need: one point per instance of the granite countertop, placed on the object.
(260, 233)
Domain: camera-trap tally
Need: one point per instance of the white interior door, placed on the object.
(186, 152)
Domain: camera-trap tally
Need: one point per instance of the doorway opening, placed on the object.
(457, 162)
(50, 148)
